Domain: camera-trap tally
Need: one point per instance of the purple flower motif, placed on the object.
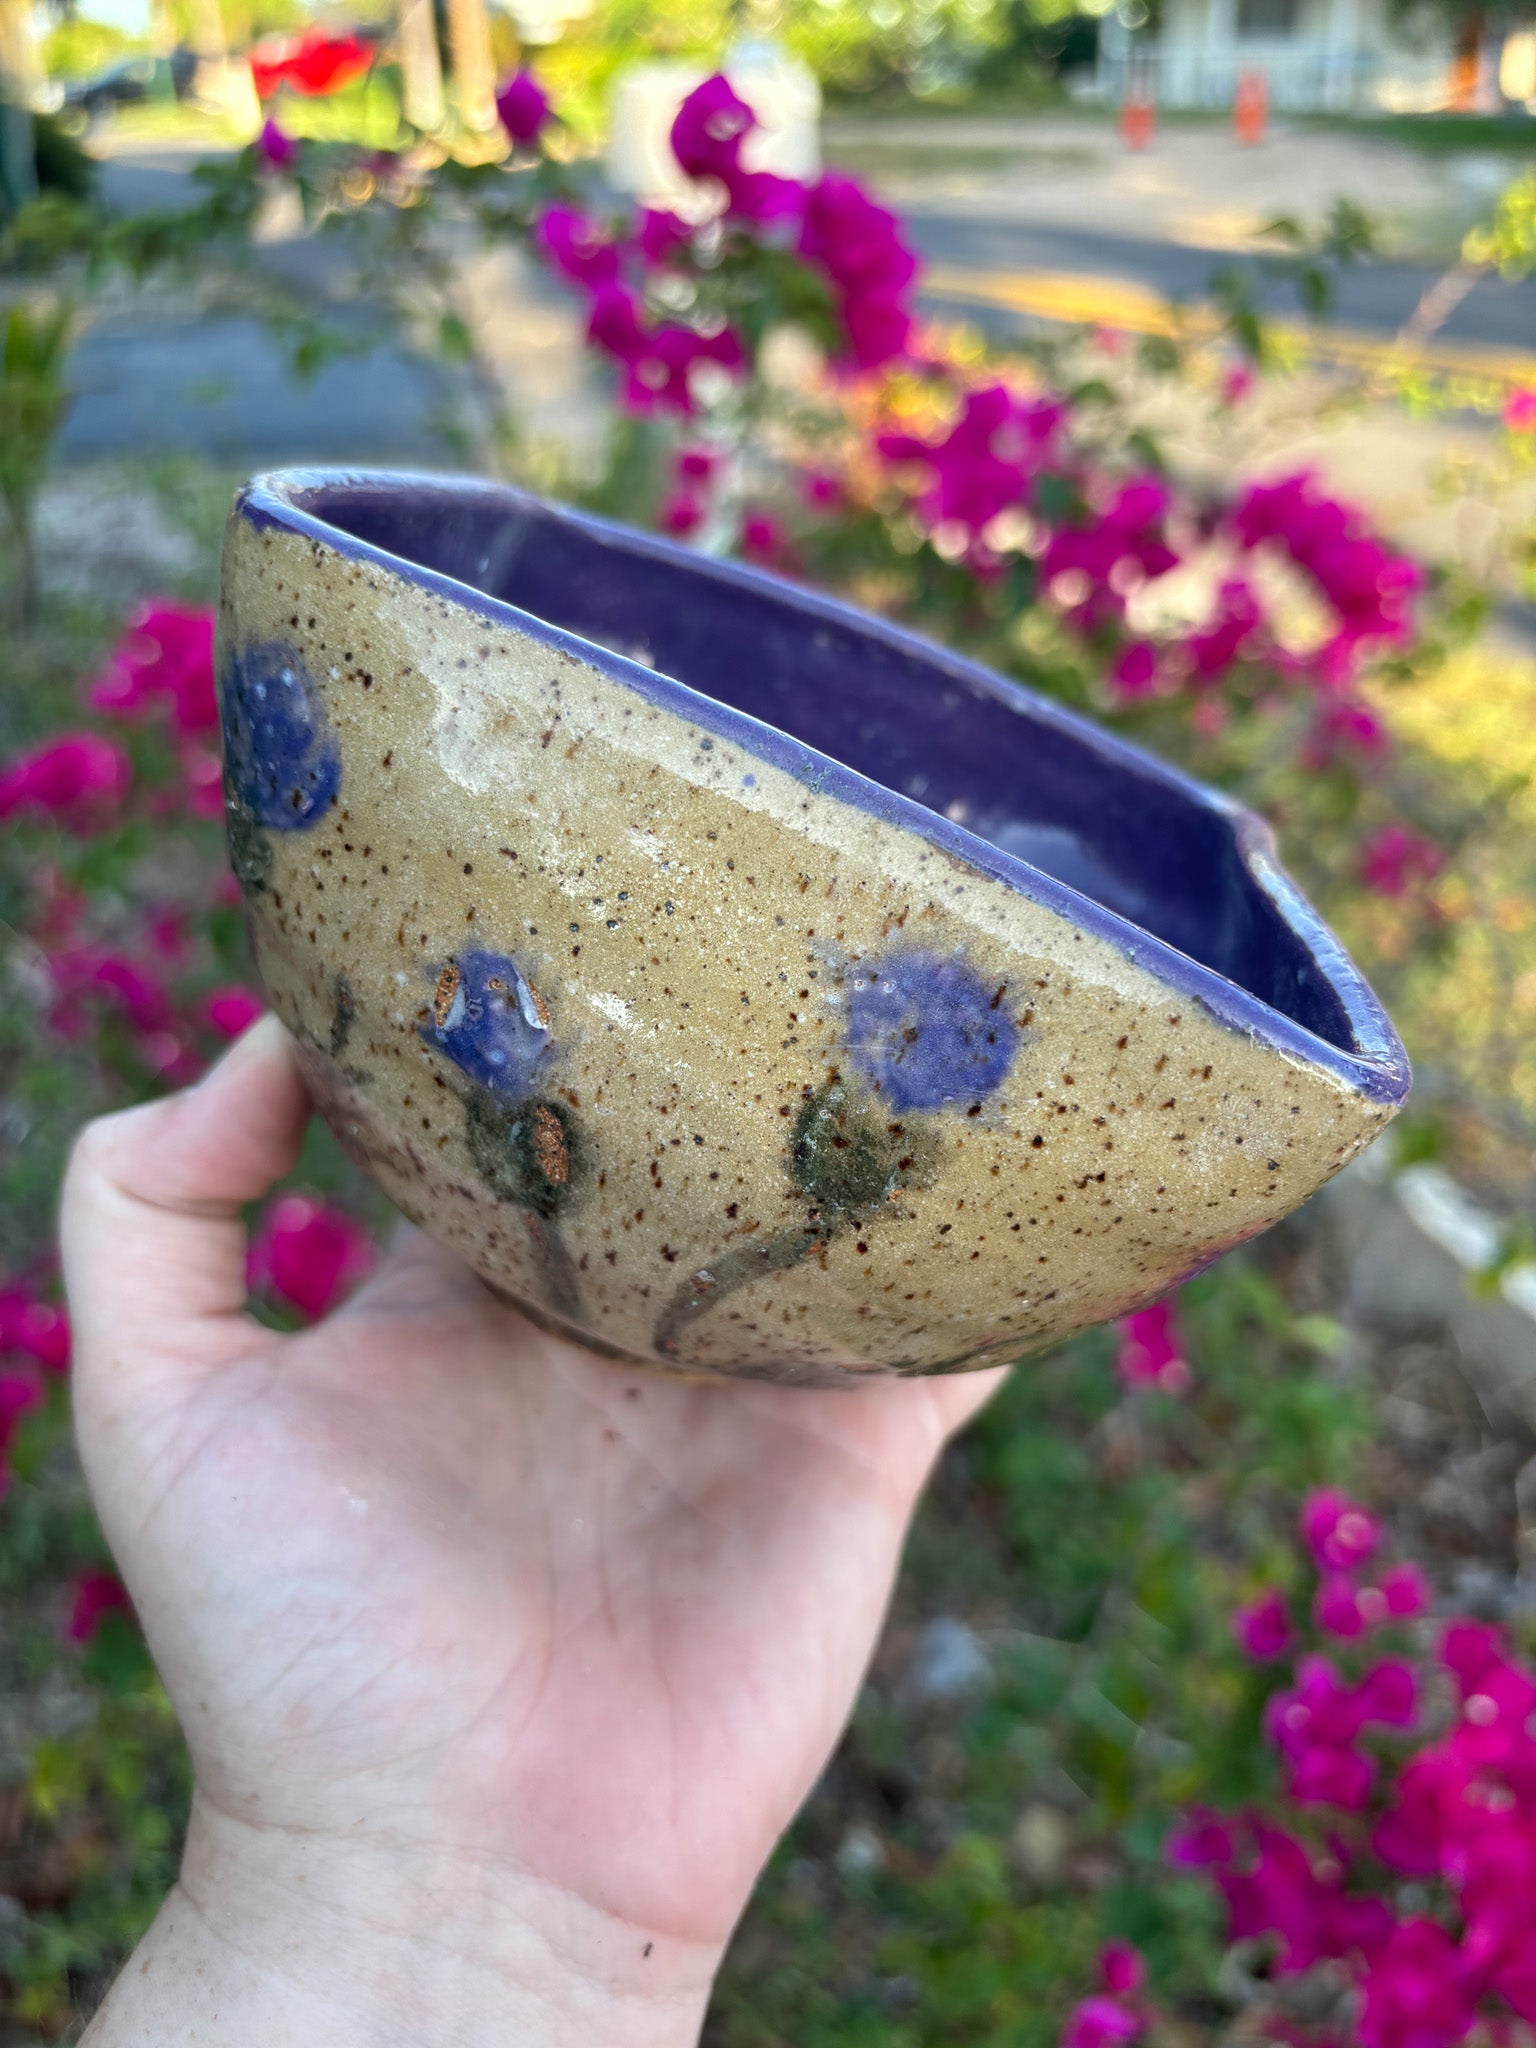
(927, 1031)
(490, 1021)
(523, 108)
(280, 755)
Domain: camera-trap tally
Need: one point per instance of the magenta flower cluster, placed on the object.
(833, 226)
(1402, 1872)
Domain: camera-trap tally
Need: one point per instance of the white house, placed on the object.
(1317, 56)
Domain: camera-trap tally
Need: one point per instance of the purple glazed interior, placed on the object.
(1168, 871)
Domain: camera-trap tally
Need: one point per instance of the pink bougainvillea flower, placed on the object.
(231, 1011)
(202, 783)
(308, 1254)
(697, 465)
(681, 514)
(275, 151)
(1088, 569)
(1338, 1609)
(1520, 410)
(1200, 1840)
(19, 1395)
(78, 780)
(1389, 1694)
(710, 126)
(1396, 858)
(1149, 1351)
(37, 1329)
(762, 538)
(708, 133)
(93, 973)
(1369, 587)
(522, 107)
(662, 234)
(1418, 1991)
(1133, 673)
(1100, 2023)
(578, 248)
(1236, 383)
(1406, 1591)
(821, 490)
(93, 1597)
(987, 460)
(1122, 1972)
(858, 246)
(1344, 726)
(1263, 1628)
(1339, 1533)
(163, 661)
(1233, 634)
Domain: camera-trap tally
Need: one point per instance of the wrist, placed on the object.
(289, 1938)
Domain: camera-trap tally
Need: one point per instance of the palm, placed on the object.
(425, 1573)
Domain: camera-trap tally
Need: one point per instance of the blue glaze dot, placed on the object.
(928, 1031)
(282, 759)
(489, 1021)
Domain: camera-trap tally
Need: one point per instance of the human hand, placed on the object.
(503, 1667)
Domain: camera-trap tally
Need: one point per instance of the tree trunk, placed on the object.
(421, 65)
(1461, 97)
(474, 67)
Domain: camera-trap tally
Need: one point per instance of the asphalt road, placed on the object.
(148, 382)
(1372, 298)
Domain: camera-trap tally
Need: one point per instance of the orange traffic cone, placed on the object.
(1138, 118)
(1250, 107)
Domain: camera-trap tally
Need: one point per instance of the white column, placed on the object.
(1219, 53)
(1342, 42)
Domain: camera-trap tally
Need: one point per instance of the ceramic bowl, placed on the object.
(740, 983)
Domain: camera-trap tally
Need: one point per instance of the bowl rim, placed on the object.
(1377, 1066)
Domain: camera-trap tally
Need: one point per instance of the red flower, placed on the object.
(77, 780)
(95, 1596)
(308, 1254)
(1520, 410)
(522, 107)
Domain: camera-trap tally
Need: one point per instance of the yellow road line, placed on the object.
(1113, 302)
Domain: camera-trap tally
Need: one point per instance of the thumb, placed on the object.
(153, 1238)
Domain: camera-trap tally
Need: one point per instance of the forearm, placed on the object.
(279, 1944)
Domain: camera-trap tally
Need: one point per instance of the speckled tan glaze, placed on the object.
(690, 938)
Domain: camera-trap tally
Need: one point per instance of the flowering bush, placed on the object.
(1386, 1898)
